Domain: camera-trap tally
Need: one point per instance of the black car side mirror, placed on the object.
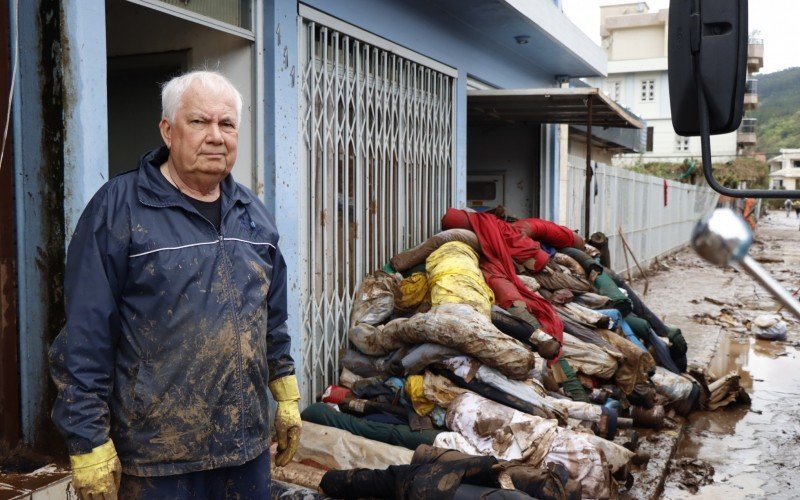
(715, 30)
(708, 42)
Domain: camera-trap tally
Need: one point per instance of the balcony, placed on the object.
(746, 135)
(755, 55)
(751, 94)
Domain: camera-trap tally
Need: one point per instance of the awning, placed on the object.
(550, 105)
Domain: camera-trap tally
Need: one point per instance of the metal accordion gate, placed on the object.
(377, 141)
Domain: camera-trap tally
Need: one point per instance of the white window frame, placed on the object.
(614, 90)
(682, 144)
(204, 20)
(647, 90)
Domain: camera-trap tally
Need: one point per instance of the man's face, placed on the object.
(203, 139)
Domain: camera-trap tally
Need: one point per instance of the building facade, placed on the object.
(784, 170)
(355, 134)
(635, 40)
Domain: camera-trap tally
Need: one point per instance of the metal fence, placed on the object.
(636, 204)
(378, 142)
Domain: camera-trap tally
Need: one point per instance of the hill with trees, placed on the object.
(778, 113)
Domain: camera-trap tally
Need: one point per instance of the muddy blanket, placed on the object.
(340, 449)
(590, 359)
(483, 427)
(374, 300)
(462, 328)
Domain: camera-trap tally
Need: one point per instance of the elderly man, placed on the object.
(176, 309)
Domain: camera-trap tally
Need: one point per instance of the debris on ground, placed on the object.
(692, 473)
(513, 343)
(769, 327)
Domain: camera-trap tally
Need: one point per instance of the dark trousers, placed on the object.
(246, 481)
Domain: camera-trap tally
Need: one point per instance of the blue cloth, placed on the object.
(173, 329)
(250, 480)
(551, 251)
(616, 317)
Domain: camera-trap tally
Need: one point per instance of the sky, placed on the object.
(776, 21)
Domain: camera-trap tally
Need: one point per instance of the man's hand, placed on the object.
(287, 418)
(96, 475)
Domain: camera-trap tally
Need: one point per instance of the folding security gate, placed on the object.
(378, 143)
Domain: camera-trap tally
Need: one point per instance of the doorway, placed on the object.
(148, 42)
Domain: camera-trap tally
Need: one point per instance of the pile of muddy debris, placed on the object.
(498, 354)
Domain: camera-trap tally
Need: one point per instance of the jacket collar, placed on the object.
(156, 191)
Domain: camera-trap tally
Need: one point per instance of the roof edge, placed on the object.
(561, 30)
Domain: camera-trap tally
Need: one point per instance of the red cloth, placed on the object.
(501, 243)
(521, 247)
(553, 234)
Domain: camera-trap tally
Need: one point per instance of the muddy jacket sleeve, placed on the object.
(82, 358)
(279, 359)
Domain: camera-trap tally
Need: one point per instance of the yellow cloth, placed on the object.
(97, 474)
(413, 291)
(415, 388)
(287, 417)
(455, 278)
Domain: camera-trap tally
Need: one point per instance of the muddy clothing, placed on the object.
(418, 481)
(173, 328)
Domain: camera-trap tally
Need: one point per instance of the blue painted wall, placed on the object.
(85, 102)
(283, 193)
(426, 29)
(39, 197)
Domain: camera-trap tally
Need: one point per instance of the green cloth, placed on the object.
(640, 327)
(619, 301)
(400, 435)
(388, 269)
(572, 385)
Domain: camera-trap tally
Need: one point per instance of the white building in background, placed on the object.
(635, 39)
(784, 170)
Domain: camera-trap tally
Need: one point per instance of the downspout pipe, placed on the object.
(588, 187)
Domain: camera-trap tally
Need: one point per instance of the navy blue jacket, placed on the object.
(173, 329)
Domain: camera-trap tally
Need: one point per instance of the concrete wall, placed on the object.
(512, 150)
(637, 43)
(577, 149)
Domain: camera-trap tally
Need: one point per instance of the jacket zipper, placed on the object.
(236, 329)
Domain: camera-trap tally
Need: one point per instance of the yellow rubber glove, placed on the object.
(96, 475)
(287, 418)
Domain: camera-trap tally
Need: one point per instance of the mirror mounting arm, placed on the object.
(705, 146)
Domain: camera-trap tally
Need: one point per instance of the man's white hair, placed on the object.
(172, 91)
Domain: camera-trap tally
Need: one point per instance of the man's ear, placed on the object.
(166, 131)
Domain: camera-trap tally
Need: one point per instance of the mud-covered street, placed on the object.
(740, 451)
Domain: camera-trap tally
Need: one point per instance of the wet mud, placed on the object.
(745, 451)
